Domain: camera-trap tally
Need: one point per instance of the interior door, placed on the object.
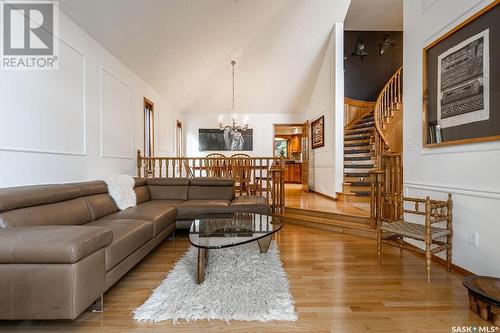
(305, 156)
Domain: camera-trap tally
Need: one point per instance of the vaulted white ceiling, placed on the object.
(183, 48)
(375, 15)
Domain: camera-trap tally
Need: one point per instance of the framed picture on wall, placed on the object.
(462, 82)
(318, 132)
(214, 139)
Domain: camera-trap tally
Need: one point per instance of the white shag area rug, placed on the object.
(240, 284)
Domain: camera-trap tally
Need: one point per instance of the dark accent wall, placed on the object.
(364, 78)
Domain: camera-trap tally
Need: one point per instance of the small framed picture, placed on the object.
(318, 132)
(461, 82)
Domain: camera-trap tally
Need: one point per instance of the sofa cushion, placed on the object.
(211, 189)
(69, 212)
(191, 209)
(168, 188)
(101, 205)
(159, 212)
(250, 204)
(51, 244)
(128, 236)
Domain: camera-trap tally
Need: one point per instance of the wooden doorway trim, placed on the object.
(305, 156)
(179, 142)
(148, 104)
(304, 149)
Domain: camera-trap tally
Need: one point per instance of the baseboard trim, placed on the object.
(441, 261)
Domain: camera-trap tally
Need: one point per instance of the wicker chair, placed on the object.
(394, 232)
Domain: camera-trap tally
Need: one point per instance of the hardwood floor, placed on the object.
(296, 198)
(335, 279)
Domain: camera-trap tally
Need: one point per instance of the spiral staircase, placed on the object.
(373, 129)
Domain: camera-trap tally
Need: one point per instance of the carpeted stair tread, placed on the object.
(357, 174)
(355, 158)
(363, 131)
(356, 151)
(354, 138)
(358, 166)
(360, 183)
(361, 193)
(359, 144)
(363, 125)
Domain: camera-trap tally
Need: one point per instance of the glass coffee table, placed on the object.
(218, 231)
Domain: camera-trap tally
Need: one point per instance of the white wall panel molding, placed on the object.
(478, 193)
(427, 4)
(116, 105)
(468, 148)
(46, 118)
(447, 26)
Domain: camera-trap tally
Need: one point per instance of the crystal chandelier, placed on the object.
(233, 125)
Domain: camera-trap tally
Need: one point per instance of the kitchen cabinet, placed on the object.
(295, 144)
(293, 173)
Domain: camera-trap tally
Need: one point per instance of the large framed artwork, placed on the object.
(214, 139)
(462, 82)
(318, 132)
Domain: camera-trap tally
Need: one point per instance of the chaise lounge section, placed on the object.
(62, 246)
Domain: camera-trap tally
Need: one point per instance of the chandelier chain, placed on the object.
(233, 125)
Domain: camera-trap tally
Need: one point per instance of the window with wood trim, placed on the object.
(149, 132)
(179, 148)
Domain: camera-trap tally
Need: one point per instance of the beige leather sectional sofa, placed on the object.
(62, 246)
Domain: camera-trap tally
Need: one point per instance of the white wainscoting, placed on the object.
(474, 210)
(45, 111)
(116, 107)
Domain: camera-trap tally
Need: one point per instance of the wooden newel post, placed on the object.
(373, 199)
(282, 185)
(139, 163)
(376, 201)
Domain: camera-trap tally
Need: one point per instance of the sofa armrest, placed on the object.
(51, 244)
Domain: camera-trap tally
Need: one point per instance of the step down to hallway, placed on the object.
(341, 223)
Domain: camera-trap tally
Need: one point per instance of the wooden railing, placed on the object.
(388, 102)
(355, 109)
(387, 189)
(262, 176)
(387, 180)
